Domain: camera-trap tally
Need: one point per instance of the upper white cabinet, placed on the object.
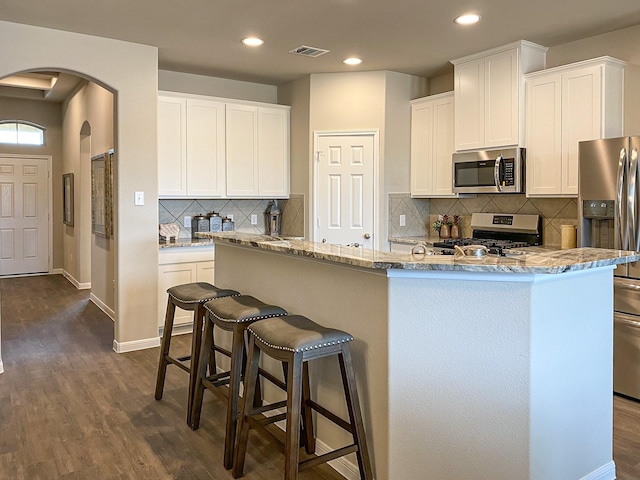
(257, 151)
(566, 105)
(489, 95)
(212, 147)
(432, 146)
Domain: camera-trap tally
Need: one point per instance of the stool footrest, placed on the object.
(331, 416)
(267, 408)
(327, 457)
(179, 362)
(217, 380)
(273, 379)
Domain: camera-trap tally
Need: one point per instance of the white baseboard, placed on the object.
(76, 283)
(605, 472)
(180, 329)
(102, 306)
(1, 366)
(123, 347)
(56, 271)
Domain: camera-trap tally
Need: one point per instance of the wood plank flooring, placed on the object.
(72, 408)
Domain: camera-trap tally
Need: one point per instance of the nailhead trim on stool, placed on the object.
(191, 297)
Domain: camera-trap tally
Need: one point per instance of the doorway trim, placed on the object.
(317, 134)
(49, 161)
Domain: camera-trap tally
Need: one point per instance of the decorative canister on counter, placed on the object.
(199, 223)
(227, 224)
(567, 236)
(215, 222)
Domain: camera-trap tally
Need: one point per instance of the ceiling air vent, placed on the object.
(306, 51)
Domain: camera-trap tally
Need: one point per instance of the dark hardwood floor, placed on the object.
(72, 408)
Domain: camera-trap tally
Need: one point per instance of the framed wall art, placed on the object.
(102, 194)
(67, 199)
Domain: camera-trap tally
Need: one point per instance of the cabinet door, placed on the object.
(443, 125)
(242, 150)
(581, 119)
(205, 272)
(169, 276)
(172, 166)
(544, 135)
(421, 149)
(273, 152)
(469, 105)
(205, 148)
(502, 101)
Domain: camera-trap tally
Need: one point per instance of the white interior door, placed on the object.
(24, 215)
(344, 197)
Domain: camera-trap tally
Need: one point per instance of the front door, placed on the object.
(344, 193)
(24, 215)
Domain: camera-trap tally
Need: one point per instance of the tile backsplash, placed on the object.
(421, 213)
(174, 211)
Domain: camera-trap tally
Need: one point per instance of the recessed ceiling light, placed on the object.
(252, 41)
(467, 19)
(352, 61)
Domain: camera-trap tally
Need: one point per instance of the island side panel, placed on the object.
(339, 296)
(572, 376)
(459, 376)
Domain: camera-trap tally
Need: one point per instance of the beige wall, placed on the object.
(131, 72)
(217, 87)
(44, 114)
(88, 257)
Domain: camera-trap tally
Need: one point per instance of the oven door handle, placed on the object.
(496, 173)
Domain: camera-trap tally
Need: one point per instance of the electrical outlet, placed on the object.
(187, 221)
(230, 216)
(403, 220)
(254, 219)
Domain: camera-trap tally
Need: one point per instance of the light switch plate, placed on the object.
(187, 221)
(139, 198)
(254, 219)
(403, 220)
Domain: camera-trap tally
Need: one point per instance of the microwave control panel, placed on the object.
(508, 179)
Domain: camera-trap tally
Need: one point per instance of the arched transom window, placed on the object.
(21, 133)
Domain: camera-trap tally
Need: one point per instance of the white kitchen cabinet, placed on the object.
(257, 151)
(432, 124)
(212, 147)
(566, 105)
(489, 95)
(181, 265)
(191, 150)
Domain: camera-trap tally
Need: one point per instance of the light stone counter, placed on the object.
(465, 368)
(535, 260)
(186, 243)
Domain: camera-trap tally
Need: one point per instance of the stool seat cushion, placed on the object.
(242, 308)
(198, 292)
(296, 333)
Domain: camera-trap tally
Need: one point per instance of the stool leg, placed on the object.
(307, 419)
(196, 344)
(207, 344)
(294, 398)
(353, 405)
(235, 373)
(250, 379)
(164, 348)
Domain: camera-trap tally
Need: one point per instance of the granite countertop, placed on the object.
(186, 242)
(414, 240)
(526, 260)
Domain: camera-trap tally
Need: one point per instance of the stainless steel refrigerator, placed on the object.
(609, 217)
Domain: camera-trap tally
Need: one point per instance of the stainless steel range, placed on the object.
(498, 232)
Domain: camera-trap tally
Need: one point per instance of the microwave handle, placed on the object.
(496, 173)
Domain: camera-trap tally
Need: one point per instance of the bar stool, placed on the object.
(294, 340)
(191, 297)
(231, 314)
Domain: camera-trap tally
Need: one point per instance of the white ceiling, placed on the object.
(408, 36)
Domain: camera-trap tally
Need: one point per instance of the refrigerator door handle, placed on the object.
(631, 200)
(623, 171)
(635, 224)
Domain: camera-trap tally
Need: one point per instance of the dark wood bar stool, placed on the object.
(191, 297)
(294, 340)
(231, 314)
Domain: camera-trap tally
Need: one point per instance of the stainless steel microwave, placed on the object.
(489, 171)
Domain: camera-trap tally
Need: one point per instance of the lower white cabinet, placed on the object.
(432, 146)
(182, 265)
(566, 105)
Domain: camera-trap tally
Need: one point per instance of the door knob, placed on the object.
(367, 236)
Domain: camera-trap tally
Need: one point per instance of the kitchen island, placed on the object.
(490, 368)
